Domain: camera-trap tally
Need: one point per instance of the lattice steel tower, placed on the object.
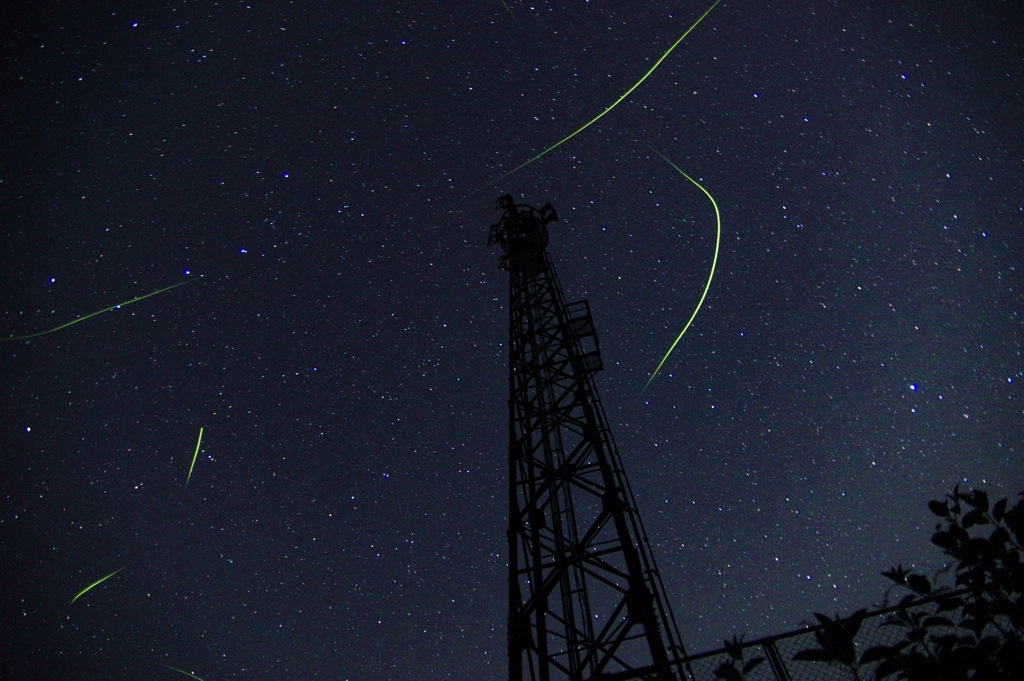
(586, 601)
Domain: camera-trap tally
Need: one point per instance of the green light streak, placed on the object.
(96, 583)
(98, 312)
(614, 104)
(180, 671)
(194, 456)
(711, 275)
(510, 11)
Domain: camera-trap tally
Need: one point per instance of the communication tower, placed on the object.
(586, 601)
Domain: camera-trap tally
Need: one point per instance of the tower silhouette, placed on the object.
(586, 601)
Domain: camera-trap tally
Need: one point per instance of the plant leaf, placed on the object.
(814, 655)
(919, 584)
(937, 621)
(752, 665)
(999, 510)
(974, 517)
(977, 499)
(877, 653)
(897, 574)
(726, 672)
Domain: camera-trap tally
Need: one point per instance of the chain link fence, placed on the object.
(778, 651)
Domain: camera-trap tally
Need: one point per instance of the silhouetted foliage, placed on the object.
(835, 641)
(976, 630)
(737, 668)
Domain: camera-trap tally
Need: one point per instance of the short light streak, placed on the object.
(95, 584)
(180, 671)
(194, 456)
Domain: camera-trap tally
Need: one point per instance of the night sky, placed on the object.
(321, 174)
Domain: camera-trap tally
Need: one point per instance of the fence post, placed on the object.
(775, 661)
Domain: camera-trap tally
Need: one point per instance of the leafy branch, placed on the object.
(975, 631)
(737, 668)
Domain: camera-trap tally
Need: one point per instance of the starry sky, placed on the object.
(321, 175)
